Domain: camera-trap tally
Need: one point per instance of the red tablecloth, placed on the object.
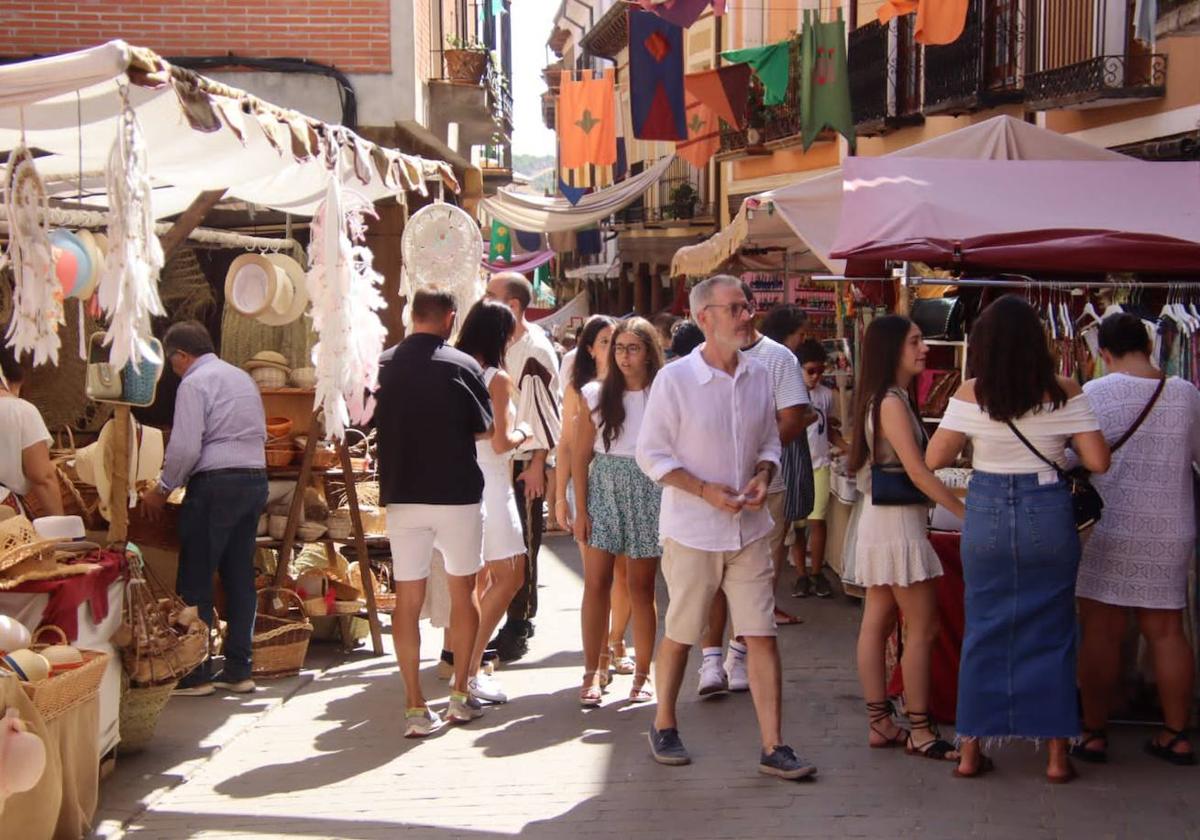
(66, 594)
(943, 695)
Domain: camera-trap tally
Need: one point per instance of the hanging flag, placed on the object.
(656, 77)
(772, 65)
(572, 194)
(530, 241)
(500, 247)
(587, 121)
(938, 21)
(588, 241)
(704, 134)
(824, 80)
(682, 12)
(724, 90)
(621, 167)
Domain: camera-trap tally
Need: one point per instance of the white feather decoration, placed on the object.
(346, 296)
(128, 290)
(37, 294)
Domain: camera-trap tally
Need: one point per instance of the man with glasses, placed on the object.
(216, 449)
(532, 364)
(710, 438)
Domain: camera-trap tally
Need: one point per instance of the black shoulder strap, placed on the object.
(1035, 450)
(1141, 417)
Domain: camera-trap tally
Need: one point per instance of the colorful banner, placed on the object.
(500, 245)
(824, 80)
(724, 90)
(704, 134)
(682, 12)
(570, 193)
(656, 78)
(587, 121)
(771, 64)
(524, 264)
(938, 21)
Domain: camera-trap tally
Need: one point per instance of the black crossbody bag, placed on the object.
(890, 484)
(1085, 498)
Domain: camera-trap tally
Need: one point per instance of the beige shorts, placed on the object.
(776, 505)
(693, 577)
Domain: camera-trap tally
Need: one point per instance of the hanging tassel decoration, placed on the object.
(37, 294)
(347, 294)
(128, 290)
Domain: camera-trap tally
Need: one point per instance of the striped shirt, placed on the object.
(786, 381)
(219, 423)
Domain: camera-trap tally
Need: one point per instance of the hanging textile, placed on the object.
(656, 77)
(572, 194)
(724, 90)
(938, 21)
(824, 80)
(621, 167)
(500, 243)
(1145, 14)
(529, 241)
(682, 12)
(704, 134)
(588, 241)
(587, 121)
(771, 64)
(523, 264)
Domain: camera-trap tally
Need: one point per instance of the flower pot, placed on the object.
(466, 65)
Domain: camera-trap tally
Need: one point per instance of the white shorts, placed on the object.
(502, 536)
(415, 530)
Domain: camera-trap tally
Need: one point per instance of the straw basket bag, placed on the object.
(280, 644)
(65, 690)
(140, 709)
(163, 639)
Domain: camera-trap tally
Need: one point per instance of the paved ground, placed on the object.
(321, 756)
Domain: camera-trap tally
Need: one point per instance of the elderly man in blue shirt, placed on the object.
(216, 449)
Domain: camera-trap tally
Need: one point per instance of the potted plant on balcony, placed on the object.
(684, 199)
(466, 60)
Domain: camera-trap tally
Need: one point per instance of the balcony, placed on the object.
(609, 35)
(680, 199)
(765, 124)
(885, 76)
(984, 67)
(1084, 55)
(549, 110)
(1178, 17)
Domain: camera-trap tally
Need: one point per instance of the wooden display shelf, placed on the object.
(288, 392)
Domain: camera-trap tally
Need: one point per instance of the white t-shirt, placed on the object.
(567, 369)
(998, 450)
(786, 381)
(22, 427)
(624, 444)
(818, 432)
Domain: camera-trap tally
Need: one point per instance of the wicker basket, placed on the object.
(279, 457)
(280, 644)
(158, 532)
(140, 708)
(65, 690)
(269, 378)
(466, 65)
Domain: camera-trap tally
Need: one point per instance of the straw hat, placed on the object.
(270, 288)
(267, 358)
(145, 462)
(37, 561)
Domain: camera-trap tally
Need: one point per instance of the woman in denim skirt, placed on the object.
(1020, 549)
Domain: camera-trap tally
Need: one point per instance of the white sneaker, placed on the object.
(421, 722)
(712, 677)
(735, 670)
(464, 710)
(487, 688)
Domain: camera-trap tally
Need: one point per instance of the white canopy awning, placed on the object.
(804, 216)
(594, 272)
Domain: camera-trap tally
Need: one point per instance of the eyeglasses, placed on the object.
(815, 370)
(735, 309)
(629, 349)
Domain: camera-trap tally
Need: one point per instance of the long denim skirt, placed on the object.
(1020, 555)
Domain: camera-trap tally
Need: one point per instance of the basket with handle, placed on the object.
(139, 383)
(63, 691)
(158, 651)
(280, 644)
(140, 709)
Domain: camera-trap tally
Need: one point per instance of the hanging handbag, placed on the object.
(1085, 499)
(890, 483)
(939, 318)
(103, 381)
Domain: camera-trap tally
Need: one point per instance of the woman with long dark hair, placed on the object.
(1020, 548)
(618, 503)
(894, 560)
(485, 335)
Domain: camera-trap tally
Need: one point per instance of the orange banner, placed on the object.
(587, 121)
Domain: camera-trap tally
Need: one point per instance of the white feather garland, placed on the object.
(37, 294)
(128, 290)
(346, 293)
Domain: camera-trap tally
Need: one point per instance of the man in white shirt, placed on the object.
(710, 438)
(532, 364)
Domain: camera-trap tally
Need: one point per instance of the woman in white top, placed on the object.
(25, 466)
(894, 560)
(1140, 553)
(485, 334)
(618, 503)
(1020, 548)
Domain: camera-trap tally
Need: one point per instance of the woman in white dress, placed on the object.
(1140, 551)
(485, 335)
(894, 559)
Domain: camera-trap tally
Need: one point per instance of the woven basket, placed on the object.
(140, 709)
(279, 457)
(280, 644)
(466, 65)
(267, 378)
(65, 690)
(161, 532)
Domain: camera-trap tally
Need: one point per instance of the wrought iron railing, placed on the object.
(1105, 76)
(984, 67)
(641, 215)
(870, 76)
(766, 123)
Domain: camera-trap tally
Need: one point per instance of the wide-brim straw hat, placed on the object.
(298, 302)
(270, 288)
(145, 461)
(267, 358)
(37, 561)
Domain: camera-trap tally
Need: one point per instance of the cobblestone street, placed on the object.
(322, 756)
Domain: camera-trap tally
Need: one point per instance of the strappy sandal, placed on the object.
(623, 664)
(1083, 752)
(604, 668)
(1167, 751)
(985, 766)
(880, 711)
(641, 692)
(935, 749)
(590, 694)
